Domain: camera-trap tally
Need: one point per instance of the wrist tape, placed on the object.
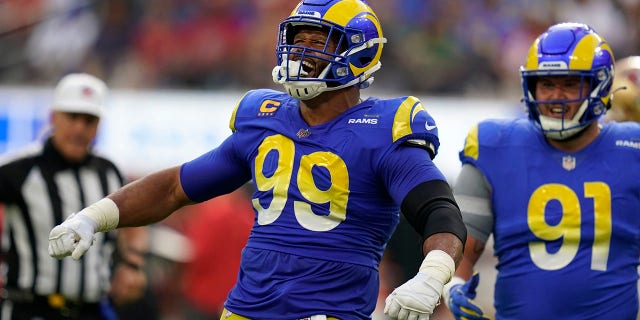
(105, 213)
(439, 265)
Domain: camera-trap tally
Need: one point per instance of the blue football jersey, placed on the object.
(326, 199)
(566, 225)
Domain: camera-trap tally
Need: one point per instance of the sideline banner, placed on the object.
(144, 131)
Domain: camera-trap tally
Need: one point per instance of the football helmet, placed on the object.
(569, 49)
(356, 58)
(625, 99)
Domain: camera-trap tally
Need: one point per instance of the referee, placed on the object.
(40, 187)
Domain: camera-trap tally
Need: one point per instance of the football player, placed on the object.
(331, 173)
(558, 191)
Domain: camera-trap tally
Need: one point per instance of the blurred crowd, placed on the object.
(441, 47)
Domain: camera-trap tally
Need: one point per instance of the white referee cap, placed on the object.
(80, 93)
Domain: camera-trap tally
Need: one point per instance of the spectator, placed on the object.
(71, 20)
(625, 104)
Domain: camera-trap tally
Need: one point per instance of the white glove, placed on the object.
(72, 237)
(75, 235)
(417, 298)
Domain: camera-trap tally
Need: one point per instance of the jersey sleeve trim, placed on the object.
(404, 115)
(471, 145)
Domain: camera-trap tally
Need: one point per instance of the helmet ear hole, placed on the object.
(365, 60)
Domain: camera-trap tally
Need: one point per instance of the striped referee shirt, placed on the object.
(39, 190)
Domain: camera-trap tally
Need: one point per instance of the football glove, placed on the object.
(458, 296)
(75, 235)
(72, 237)
(417, 298)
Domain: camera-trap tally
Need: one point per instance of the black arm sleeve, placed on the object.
(430, 208)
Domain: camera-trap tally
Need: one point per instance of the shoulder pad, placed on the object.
(255, 104)
(412, 122)
(630, 128)
(471, 145)
(495, 133)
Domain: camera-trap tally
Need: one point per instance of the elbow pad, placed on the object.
(430, 208)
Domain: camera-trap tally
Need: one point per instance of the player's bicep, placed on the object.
(214, 173)
(406, 167)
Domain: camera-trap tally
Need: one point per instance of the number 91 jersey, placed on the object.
(566, 226)
(329, 192)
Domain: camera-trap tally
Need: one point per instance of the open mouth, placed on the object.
(557, 111)
(308, 69)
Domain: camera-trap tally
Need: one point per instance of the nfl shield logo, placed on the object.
(568, 163)
(303, 133)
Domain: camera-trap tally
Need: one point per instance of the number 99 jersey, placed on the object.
(566, 226)
(326, 198)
